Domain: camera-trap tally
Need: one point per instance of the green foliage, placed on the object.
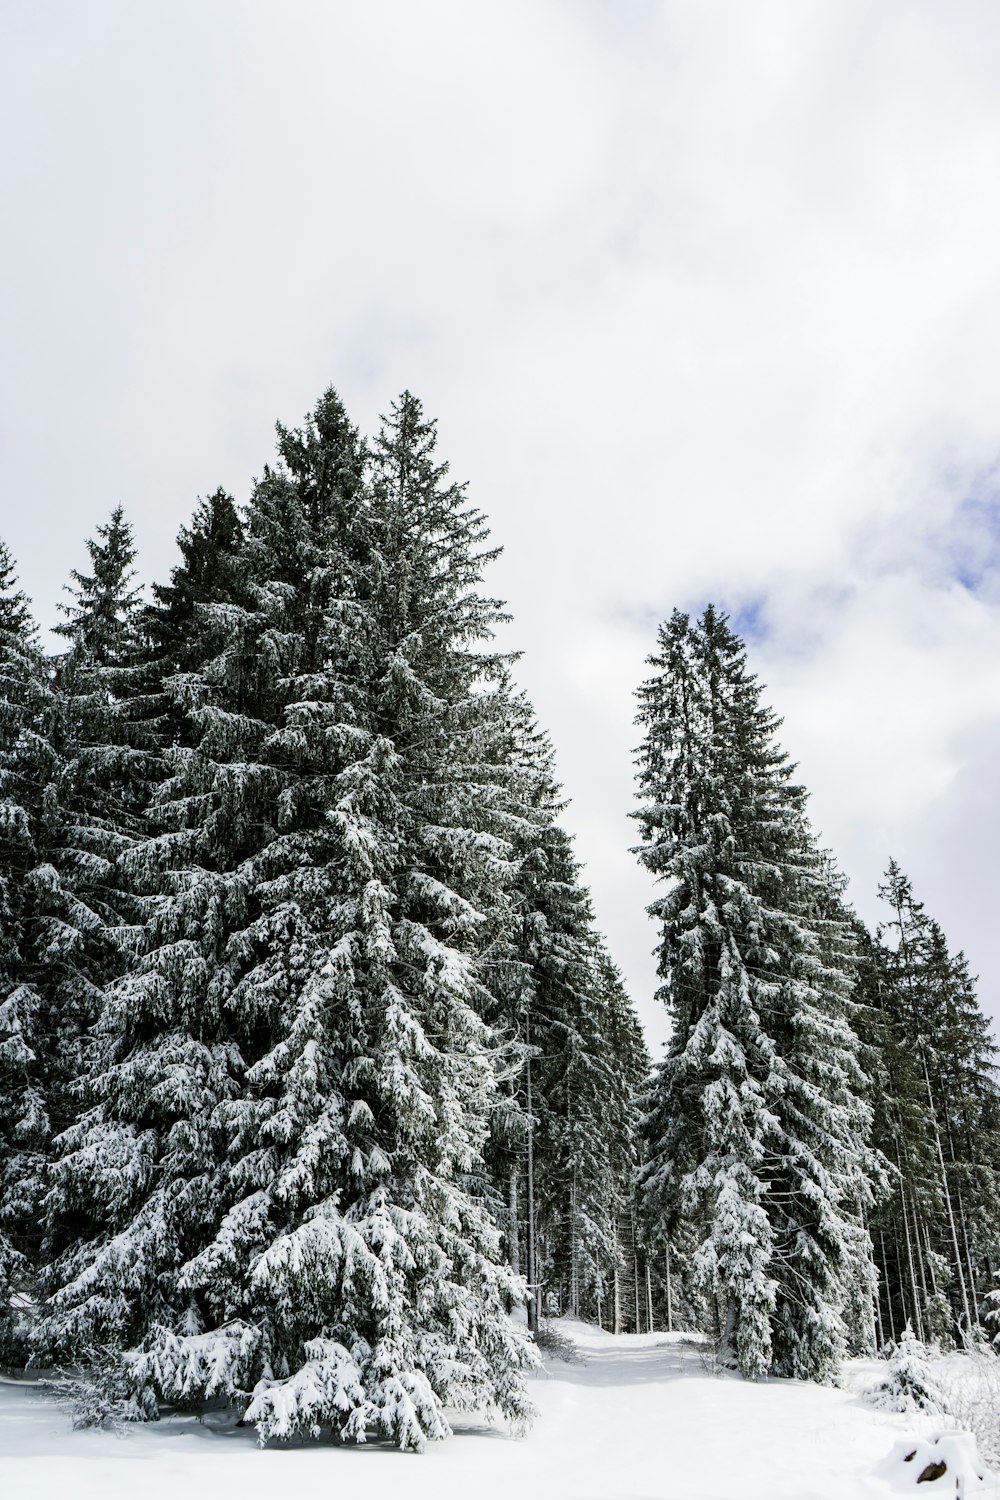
(756, 1124)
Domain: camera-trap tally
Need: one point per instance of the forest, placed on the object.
(315, 1067)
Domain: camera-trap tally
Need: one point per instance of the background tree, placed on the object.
(936, 1236)
(31, 1024)
(567, 1152)
(756, 1126)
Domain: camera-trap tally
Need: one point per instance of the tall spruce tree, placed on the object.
(104, 770)
(756, 1124)
(283, 1165)
(30, 1020)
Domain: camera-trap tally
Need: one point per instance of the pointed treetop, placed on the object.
(15, 612)
(105, 600)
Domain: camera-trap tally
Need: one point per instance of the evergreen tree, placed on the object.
(29, 1024)
(104, 771)
(756, 1123)
(938, 1232)
(78, 813)
(100, 622)
(908, 1383)
(297, 1073)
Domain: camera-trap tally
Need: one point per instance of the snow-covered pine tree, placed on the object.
(756, 1124)
(105, 770)
(615, 1120)
(30, 1027)
(938, 1235)
(911, 1273)
(827, 1177)
(146, 1178)
(135, 1189)
(709, 1123)
(908, 1383)
(385, 1284)
(297, 1076)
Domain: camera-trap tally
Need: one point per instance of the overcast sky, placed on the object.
(704, 296)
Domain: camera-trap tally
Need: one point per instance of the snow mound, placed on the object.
(941, 1463)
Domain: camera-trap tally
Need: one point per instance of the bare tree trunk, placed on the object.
(617, 1328)
(532, 1259)
(929, 1249)
(513, 1233)
(649, 1299)
(574, 1279)
(970, 1264)
(924, 1290)
(670, 1298)
(899, 1277)
(873, 1313)
(635, 1273)
(878, 1294)
(947, 1199)
(914, 1298)
(934, 1121)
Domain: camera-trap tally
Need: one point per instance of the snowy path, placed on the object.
(641, 1419)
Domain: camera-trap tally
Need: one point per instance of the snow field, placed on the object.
(640, 1418)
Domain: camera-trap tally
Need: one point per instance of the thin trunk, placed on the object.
(574, 1279)
(513, 1232)
(670, 1297)
(968, 1257)
(888, 1299)
(873, 1299)
(532, 1261)
(914, 1299)
(649, 1299)
(921, 1273)
(635, 1275)
(617, 1328)
(930, 1259)
(933, 1114)
(947, 1199)
(899, 1278)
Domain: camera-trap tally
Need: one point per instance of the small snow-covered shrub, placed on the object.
(908, 1383)
(104, 1400)
(556, 1344)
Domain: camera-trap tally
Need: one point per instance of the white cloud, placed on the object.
(704, 297)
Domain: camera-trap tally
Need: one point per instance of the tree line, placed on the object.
(313, 1062)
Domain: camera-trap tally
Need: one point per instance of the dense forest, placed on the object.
(314, 1065)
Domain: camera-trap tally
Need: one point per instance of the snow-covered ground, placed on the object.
(638, 1418)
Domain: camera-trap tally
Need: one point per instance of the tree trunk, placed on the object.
(513, 1231)
(914, 1297)
(947, 1199)
(635, 1274)
(532, 1258)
